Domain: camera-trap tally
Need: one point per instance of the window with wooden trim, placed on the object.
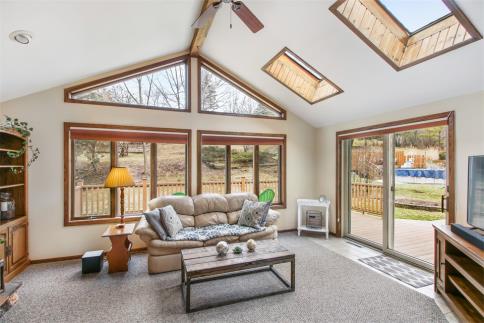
(241, 162)
(158, 160)
(223, 93)
(406, 33)
(163, 86)
(301, 78)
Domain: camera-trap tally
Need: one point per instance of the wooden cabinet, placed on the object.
(15, 249)
(439, 260)
(459, 274)
(13, 179)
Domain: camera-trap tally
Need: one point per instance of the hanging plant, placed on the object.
(25, 130)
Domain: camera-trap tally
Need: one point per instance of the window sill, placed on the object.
(279, 206)
(115, 220)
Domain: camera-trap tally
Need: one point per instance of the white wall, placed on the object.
(469, 111)
(46, 112)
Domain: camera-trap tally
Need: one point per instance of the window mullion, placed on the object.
(154, 170)
(256, 170)
(114, 161)
(228, 166)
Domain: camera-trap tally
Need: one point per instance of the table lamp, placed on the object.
(119, 177)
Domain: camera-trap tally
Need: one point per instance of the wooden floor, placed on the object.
(412, 237)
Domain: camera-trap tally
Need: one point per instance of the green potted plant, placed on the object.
(25, 130)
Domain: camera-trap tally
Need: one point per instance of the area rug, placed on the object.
(329, 287)
(404, 272)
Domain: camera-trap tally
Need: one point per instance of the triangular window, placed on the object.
(222, 93)
(161, 86)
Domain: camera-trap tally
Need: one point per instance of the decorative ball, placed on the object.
(237, 250)
(251, 245)
(222, 248)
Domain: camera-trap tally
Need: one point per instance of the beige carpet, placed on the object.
(329, 288)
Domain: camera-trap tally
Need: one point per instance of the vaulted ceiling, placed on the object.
(78, 39)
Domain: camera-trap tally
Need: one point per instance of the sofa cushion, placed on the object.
(170, 220)
(233, 217)
(235, 201)
(228, 239)
(212, 231)
(154, 219)
(206, 203)
(269, 233)
(181, 204)
(211, 218)
(272, 217)
(254, 213)
(187, 220)
(164, 247)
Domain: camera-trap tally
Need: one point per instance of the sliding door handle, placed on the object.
(443, 199)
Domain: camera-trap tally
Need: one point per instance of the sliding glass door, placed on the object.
(365, 219)
(394, 186)
(420, 188)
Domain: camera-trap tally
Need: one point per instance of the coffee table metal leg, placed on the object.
(182, 273)
(293, 275)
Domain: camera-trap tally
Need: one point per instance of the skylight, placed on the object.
(303, 64)
(416, 14)
(298, 76)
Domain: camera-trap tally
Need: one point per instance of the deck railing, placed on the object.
(96, 199)
(367, 198)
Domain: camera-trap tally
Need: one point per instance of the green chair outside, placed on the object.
(179, 194)
(267, 196)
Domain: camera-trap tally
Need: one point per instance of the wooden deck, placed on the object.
(412, 237)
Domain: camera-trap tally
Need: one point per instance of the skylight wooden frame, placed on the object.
(128, 74)
(304, 70)
(403, 49)
(239, 84)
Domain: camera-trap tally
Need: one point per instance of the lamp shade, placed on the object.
(119, 177)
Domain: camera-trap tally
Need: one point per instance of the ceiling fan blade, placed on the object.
(247, 16)
(207, 15)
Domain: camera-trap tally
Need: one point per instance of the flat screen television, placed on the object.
(475, 192)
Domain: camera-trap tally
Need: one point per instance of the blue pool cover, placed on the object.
(415, 172)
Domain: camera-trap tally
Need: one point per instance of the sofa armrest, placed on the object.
(272, 217)
(144, 230)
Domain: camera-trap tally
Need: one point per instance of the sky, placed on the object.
(415, 14)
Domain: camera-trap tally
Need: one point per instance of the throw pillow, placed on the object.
(170, 220)
(254, 214)
(154, 219)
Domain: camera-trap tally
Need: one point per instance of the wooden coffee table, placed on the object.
(204, 264)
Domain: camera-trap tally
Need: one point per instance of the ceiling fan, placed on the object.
(240, 10)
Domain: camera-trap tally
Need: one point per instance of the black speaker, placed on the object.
(92, 261)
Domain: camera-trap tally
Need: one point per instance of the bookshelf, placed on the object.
(13, 179)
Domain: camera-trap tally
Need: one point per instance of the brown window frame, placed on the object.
(143, 70)
(237, 138)
(240, 85)
(116, 132)
(433, 120)
(392, 23)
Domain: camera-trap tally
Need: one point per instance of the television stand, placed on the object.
(459, 268)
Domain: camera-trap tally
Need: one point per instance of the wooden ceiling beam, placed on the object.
(201, 33)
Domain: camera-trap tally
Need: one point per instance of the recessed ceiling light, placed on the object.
(23, 37)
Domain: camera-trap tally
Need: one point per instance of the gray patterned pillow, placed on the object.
(170, 220)
(154, 219)
(254, 214)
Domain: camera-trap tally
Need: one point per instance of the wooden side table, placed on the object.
(118, 256)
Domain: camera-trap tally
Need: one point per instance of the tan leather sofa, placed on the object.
(198, 211)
